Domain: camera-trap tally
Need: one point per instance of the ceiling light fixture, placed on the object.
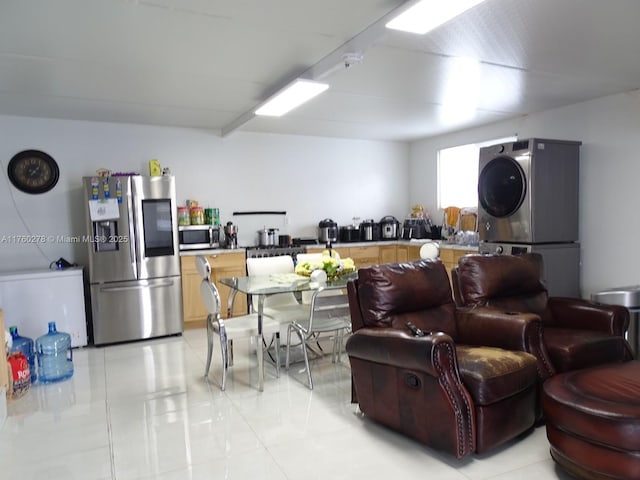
(429, 14)
(290, 97)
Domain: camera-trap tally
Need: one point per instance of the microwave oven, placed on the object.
(199, 237)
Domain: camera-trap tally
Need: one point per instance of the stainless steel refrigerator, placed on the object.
(134, 263)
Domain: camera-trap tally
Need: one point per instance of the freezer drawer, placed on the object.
(135, 310)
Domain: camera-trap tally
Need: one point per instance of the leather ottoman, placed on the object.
(593, 421)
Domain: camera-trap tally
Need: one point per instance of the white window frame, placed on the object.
(458, 173)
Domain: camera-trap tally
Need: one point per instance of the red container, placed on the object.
(20, 378)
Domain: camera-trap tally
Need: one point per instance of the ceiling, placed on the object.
(209, 63)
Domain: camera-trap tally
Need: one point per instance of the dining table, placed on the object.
(263, 286)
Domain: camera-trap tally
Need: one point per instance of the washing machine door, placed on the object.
(502, 187)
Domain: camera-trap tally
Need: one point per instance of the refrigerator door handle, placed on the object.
(166, 283)
(133, 235)
(136, 225)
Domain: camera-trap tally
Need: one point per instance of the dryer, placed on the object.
(528, 191)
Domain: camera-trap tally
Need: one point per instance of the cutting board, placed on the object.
(468, 222)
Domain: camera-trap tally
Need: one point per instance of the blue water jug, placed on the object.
(26, 346)
(55, 357)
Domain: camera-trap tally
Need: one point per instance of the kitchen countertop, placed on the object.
(417, 242)
(211, 251)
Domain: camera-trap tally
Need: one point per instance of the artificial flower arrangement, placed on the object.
(330, 263)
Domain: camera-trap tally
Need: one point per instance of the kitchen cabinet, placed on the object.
(388, 253)
(362, 256)
(402, 253)
(342, 251)
(222, 265)
(407, 253)
(365, 256)
(414, 252)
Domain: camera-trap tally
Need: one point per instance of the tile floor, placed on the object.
(144, 411)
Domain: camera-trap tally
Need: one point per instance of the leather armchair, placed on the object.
(577, 333)
(450, 388)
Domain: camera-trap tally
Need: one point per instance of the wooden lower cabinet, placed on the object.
(407, 253)
(388, 254)
(366, 255)
(361, 256)
(222, 265)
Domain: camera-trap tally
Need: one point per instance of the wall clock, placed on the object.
(33, 171)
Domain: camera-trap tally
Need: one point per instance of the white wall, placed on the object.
(310, 177)
(609, 128)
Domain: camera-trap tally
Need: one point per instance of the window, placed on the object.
(458, 174)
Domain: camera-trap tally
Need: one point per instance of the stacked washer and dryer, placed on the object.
(528, 202)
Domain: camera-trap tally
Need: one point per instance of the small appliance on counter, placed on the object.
(368, 230)
(230, 235)
(284, 240)
(267, 237)
(416, 228)
(327, 231)
(199, 237)
(350, 233)
(389, 228)
(300, 241)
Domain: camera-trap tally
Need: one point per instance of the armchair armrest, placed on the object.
(496, 328)
(393, 347)
(587, 315)
(508, 330)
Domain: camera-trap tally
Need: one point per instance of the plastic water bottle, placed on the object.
(26, 346)
(55, 357)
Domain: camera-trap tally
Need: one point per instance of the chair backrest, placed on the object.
(208, 291)
(392, 294)
(429, 250)
(270, 266)
(328, 307)
(203, 267)
(508, 282)
(210, 297)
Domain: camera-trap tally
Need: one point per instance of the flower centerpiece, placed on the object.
(330, 263)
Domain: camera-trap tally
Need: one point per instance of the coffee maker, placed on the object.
(230, 235)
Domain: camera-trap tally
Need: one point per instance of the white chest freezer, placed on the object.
(31, 299)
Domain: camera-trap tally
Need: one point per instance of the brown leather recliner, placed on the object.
(577, 333)
(466, 386)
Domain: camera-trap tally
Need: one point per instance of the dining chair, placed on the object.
(329, 313)
(245, 326)
(281, 307)
(308, 295)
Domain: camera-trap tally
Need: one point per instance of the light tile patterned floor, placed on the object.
(143, 410)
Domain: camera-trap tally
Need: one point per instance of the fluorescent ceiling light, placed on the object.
(293, 95)
(429, 14)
